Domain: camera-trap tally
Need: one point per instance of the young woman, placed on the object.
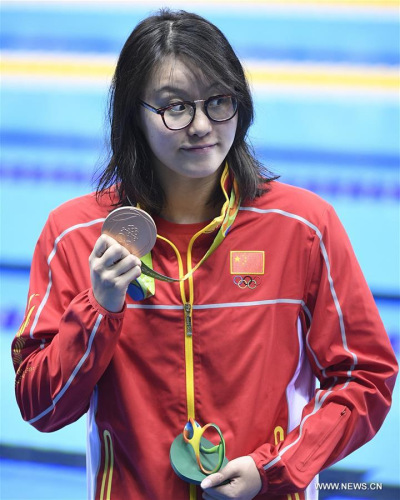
(278, 302)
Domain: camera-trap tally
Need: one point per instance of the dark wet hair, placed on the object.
(193, 38)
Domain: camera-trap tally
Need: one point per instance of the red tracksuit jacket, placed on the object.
(281, 304)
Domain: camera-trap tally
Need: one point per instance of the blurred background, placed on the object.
(325, 80)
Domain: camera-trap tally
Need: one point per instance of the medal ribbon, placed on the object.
(224, 220)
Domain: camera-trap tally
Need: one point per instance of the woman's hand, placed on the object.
(244, 481)
(112, 268)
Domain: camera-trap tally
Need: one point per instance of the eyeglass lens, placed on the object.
(219, 109)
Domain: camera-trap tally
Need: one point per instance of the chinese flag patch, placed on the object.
(249, 262)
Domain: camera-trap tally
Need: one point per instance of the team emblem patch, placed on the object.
(247, 262)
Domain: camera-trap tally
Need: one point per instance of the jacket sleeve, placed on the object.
(350, 354)
(65, 342)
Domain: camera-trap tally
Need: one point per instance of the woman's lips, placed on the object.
(199, 149)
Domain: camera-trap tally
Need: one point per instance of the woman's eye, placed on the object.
(218, 101)
(177, 108)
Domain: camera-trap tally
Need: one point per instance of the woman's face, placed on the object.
(198, 150)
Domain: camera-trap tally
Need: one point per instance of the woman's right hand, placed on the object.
(112, 268)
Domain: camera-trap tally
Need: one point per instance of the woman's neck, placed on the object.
(188, 200)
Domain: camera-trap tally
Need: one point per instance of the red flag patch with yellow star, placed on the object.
(247, 262)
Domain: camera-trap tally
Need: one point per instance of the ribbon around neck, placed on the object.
(224, 221)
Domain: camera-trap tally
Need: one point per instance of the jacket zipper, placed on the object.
(187, 308)
(188, 312)
(188, 319)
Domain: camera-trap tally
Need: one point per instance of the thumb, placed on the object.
(213, 480)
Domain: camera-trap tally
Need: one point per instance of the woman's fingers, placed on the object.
(112, 268)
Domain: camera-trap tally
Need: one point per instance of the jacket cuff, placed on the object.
(101, 310)
(276, 477)
(261, 458)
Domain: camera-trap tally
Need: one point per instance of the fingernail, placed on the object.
(206, 483)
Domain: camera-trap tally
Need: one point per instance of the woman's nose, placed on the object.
(201, 125)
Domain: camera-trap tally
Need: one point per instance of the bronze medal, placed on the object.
(133, 228)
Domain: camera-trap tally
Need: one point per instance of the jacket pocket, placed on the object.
(334, 419)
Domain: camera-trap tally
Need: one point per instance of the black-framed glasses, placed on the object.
(180, 114)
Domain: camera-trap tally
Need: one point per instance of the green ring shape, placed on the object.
(183, 459)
